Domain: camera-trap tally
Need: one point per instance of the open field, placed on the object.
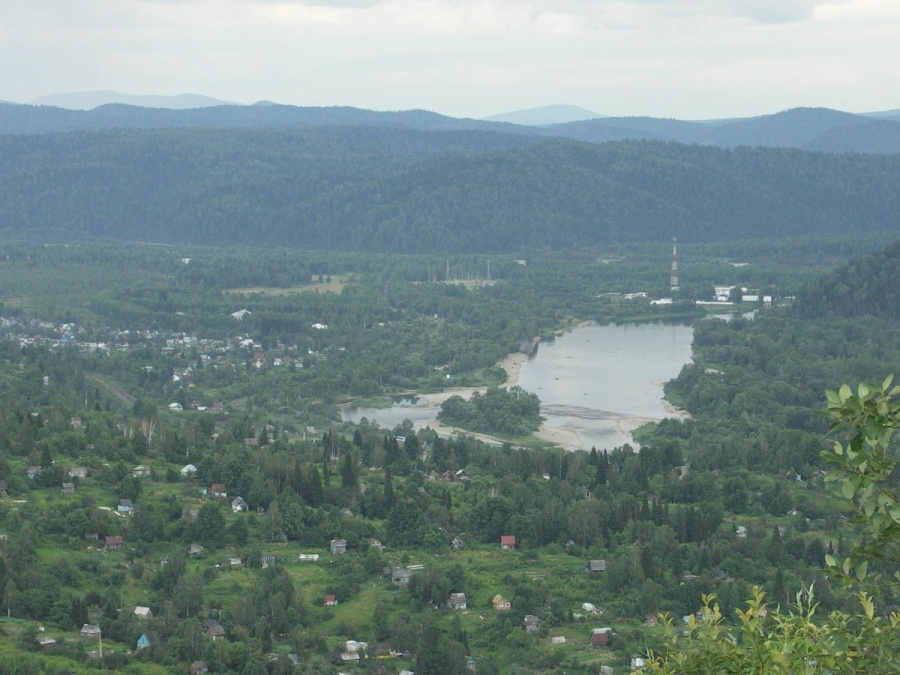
(333, 284)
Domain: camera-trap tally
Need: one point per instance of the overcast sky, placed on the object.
(689, 59)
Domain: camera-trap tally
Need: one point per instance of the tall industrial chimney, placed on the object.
(673, 280)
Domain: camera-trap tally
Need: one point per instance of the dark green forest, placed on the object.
(401, 191)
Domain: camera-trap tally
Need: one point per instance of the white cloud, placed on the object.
(684, 58)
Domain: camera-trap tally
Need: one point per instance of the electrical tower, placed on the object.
(673, 280)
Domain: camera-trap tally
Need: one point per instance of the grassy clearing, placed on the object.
(334, 285)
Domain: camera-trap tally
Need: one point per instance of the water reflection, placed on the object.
(599, 382)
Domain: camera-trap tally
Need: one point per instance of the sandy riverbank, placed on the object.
(672, 411)
(564, 438)
(568, 440)
(512, 364)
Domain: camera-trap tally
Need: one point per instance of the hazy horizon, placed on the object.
(684, 59)
(41, 100)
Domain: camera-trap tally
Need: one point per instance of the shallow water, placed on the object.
(594, 381)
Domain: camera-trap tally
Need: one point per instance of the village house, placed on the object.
(213, 629)
(456, 544)
(637, 661)
(188, 470)
(218, 490)
(596, 567)
(330, 600)
(338, 546)
(125, 506)
(114, 543)
(351, 646)
(90, 632)
(400, 576)
(376, 543)
(143, 612)
(79, 472)
(457, 601)
(75, 422)
(500, 603)
(531, 623)
(195, 550)
(600, 637)
(507, 542)
(238, 504)
(141, 471)
(148, 639)
(32, 471)
(471, 666)
(68, 488)
(267, 560)
(199, 668)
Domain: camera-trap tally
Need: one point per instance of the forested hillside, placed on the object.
(409, 191)
(866, 287)
(26, 119)
(754, 386)
(818, 129)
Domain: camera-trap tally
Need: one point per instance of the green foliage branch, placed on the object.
(861, 472)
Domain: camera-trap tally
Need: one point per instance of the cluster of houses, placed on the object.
(725, 294)
(400, 576)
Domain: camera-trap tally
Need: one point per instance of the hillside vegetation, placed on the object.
(404, 191)
(730, 499)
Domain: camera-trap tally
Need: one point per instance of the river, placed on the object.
(596, 383)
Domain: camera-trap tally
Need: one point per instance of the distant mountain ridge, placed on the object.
(545, 115)
(26, 119)
(815, 129)
(885, 114)
(88, 100)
